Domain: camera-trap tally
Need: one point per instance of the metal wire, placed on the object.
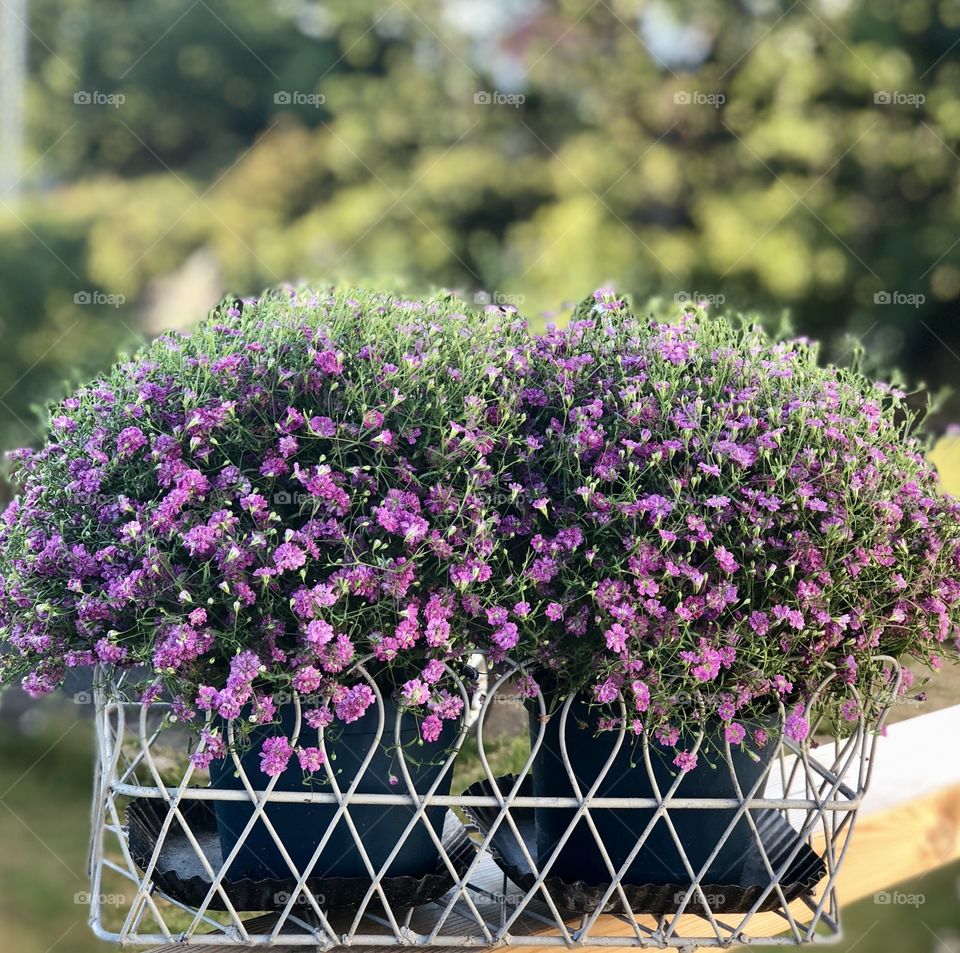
(818, 796)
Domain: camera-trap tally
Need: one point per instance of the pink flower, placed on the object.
(796, 726)
(685, 761)
(431, 727)
(311, 759)
(726, 560)
(288, 556)
(307, 680)
(318, 717)
(414, 692)
(641, 696)
(506, 636)
(735, 733)
(616, 638)
(726, 710)
(212, 748)
(354, 703)
(607, 691)
(850, 710)
(275, 756)
(319, 633)
(759, 623)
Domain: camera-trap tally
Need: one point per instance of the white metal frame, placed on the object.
(817, 787)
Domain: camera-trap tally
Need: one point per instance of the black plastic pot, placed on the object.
(302, 826)
(658, 861)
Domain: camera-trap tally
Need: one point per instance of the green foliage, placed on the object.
(198, 81)
(799, 191)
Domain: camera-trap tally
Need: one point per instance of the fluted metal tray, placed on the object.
(180, 874)
(778, 837)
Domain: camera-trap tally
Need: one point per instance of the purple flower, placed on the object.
(735, 733)
(288, 556)
(311, 759)
(307, 680)
(608, 690)
(130, 441)
(110, 652)
(275, 754)
(319, 633)
(354, 702)
(687, 516)
(796, 725)
(431, 728)
(414, 692)
(212, 747)
(725, 560)
(641, 695)
(507, 636)
(318, 717)
(554, 611)
(759, 623)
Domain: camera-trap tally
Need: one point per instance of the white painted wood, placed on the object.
(915, 757)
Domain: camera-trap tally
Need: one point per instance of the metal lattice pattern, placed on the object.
(815, 787)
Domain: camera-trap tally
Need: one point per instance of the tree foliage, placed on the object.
(781, 157)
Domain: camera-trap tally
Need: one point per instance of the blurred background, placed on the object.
(789, 157)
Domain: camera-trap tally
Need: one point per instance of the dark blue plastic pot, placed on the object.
(658, 861)
(302, 826)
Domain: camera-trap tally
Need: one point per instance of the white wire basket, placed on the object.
(159, 875)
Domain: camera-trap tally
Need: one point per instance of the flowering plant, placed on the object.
(254, 507)
(712, 523)
(693, 518)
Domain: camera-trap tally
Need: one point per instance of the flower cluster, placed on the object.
(691, 519)
(254, 508)
(711, 524)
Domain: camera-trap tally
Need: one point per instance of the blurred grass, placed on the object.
(46, 778)
(930, 926)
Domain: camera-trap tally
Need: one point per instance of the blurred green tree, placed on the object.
(765, 156)
(193, 82)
